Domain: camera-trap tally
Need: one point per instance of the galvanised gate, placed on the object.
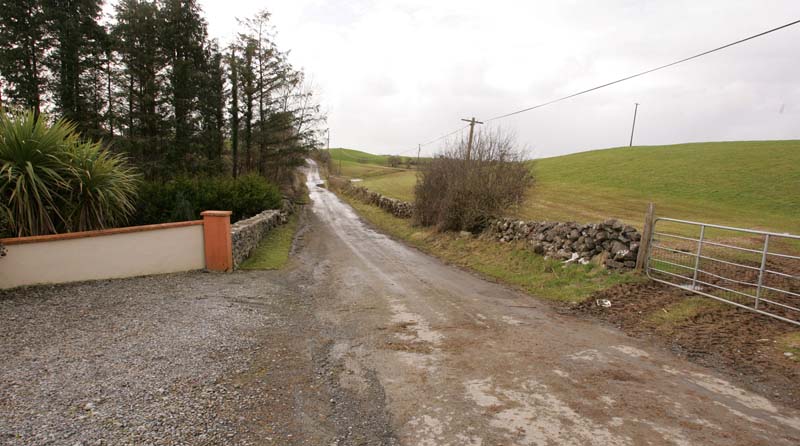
(752, 269)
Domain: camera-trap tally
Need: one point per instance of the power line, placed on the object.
(460, 129)
(645, 72)
(444, 136)
(612, 83)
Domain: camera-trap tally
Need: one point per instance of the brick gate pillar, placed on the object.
(217, 238)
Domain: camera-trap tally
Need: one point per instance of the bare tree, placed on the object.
(454, 193)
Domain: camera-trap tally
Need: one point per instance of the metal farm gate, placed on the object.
(756, 270)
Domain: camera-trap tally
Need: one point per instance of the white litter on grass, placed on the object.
(576, 258)
(605, 303)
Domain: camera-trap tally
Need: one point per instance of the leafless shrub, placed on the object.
(456, 193)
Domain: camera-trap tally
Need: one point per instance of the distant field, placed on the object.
(375, 172)
(356, 156)
(355, 164)
(749, 184)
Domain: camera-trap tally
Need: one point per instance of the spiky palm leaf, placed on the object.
(50, 180)
(33, 174)
(103, 188)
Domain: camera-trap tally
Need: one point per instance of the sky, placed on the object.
(393, 74)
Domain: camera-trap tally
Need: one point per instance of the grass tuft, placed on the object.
(273, 251)
(790, 343)
(684, 310)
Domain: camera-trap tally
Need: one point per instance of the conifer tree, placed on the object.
(23, 42)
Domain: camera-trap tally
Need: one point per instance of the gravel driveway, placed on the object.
(192, 358)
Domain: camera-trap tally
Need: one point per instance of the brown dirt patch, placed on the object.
(412, 347)
(737, 342)
(618, 375)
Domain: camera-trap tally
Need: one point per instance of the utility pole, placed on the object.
(472, 123)
(419, 149)
(633, 127)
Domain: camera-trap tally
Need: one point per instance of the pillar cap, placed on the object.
(216, 213)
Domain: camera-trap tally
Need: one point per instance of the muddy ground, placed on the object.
(743, 344)
(360, 341)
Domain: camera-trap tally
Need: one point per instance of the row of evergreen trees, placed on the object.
(151, 82)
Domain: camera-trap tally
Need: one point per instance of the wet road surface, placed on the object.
(461, 361)
(359, 341)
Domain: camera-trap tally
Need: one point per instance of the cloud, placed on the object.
(396, 73)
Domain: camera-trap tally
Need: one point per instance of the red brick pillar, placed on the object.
(217, 237)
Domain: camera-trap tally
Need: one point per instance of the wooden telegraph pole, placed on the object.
(419, 149)
(633, 127)
(472, 123)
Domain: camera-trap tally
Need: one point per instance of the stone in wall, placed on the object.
(247, 234)
(612, 243)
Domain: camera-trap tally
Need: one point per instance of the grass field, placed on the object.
(397, 182)
(747, 184)
(359, 157)
(355, 164)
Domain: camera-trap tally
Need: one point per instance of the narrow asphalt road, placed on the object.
(461, 361)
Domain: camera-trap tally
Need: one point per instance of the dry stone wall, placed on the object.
(611, 243)
(247, 234)
(398, 208)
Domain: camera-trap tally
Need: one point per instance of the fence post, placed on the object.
(697, 257)
(644, 244)
(761, 270)
(217, 238)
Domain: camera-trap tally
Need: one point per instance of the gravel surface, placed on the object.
(192, 358)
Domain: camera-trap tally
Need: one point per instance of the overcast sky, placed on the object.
(394, 73)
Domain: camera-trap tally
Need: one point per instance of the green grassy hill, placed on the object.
(748, 184)
(751, 184)
(359, 157)
(357, 164)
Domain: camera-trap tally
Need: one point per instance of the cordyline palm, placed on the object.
(50, 180)
(102, 188)
(33, 174)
